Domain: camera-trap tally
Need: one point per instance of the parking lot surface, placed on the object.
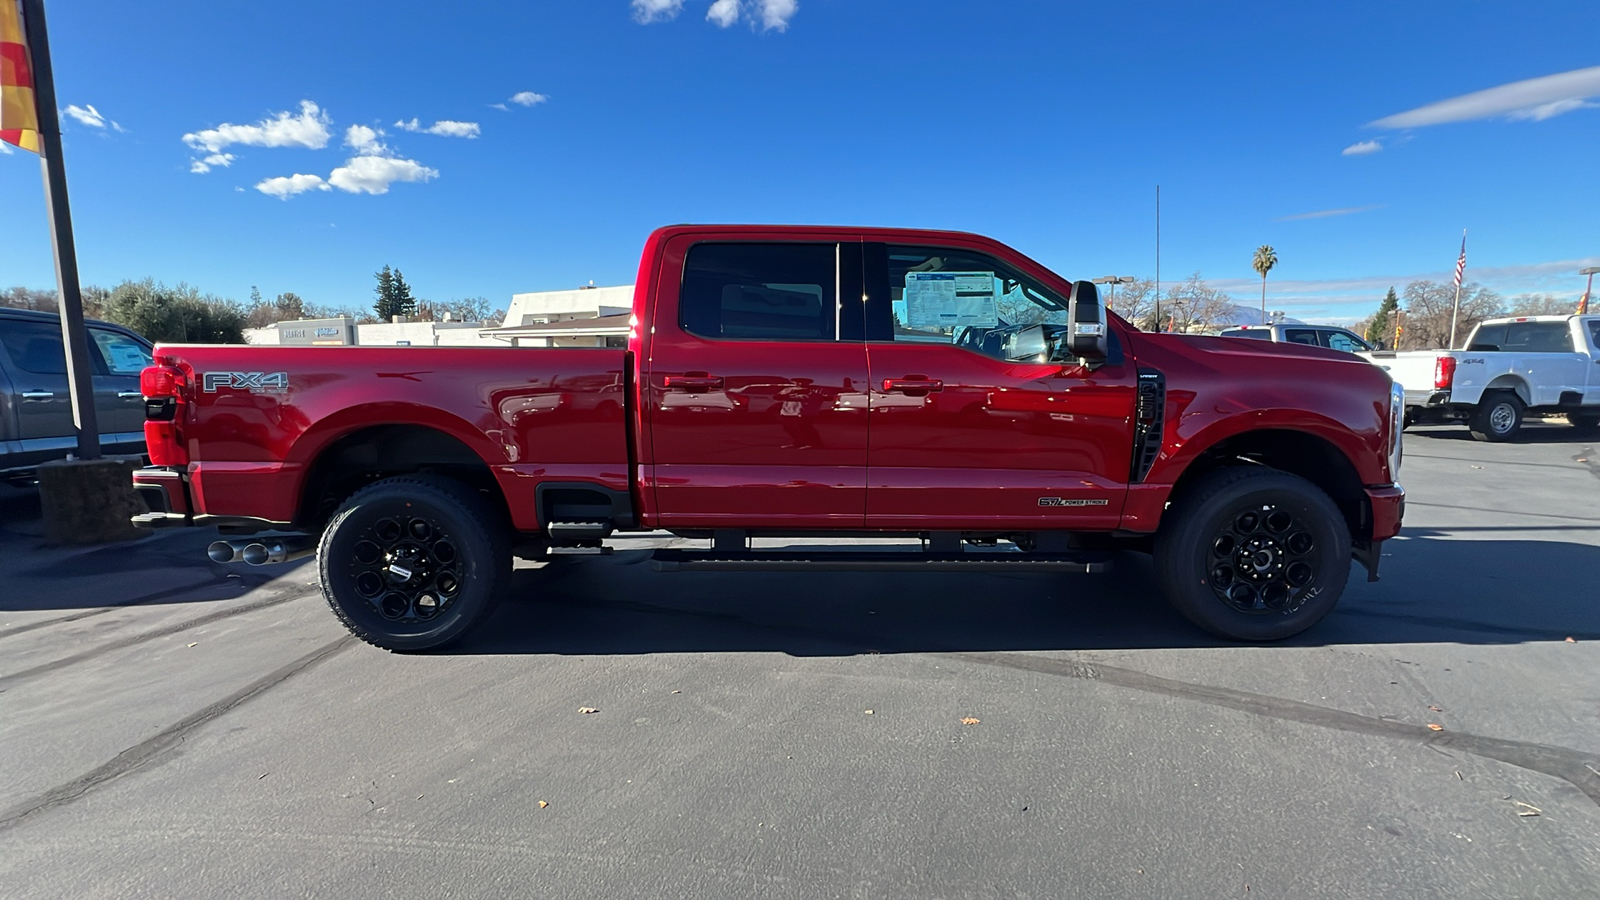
(171, 727)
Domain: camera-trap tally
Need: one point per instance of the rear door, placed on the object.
(118, 404)
(756, 383)
(968, 431)
(1545, 358)
(1591, 329)
(39, 388)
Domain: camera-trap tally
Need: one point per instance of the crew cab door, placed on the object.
(756, 383)
(966, 436)
(1590, 328)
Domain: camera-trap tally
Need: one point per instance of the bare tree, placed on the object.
(1194, 306)
(1542, 305)
(1134, 301)
(1428, 306)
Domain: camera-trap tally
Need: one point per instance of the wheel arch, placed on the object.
(1309, 456)
(360, 455)
(1510, 382)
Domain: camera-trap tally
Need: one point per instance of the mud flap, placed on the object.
(1368, 553)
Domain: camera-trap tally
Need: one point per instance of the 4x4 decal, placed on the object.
(263, 382)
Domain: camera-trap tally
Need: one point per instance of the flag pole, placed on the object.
(1158, 259)
(1455, 310)
(73, 334)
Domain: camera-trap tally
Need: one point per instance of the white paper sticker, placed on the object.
(950, 299)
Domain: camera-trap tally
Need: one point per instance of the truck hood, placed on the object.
(1244, 347)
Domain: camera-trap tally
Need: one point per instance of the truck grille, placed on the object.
(1149, 420)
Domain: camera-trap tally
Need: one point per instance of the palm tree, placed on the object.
(1265, 259)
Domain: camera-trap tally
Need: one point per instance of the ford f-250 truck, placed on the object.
(1511, 367)
(794, 381)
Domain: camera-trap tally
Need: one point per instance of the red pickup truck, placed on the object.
(793, 382)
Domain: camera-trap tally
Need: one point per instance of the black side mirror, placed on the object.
(1088, 336)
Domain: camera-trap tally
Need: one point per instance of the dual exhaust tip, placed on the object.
(261, 552)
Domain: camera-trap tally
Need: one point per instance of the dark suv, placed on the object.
(35, 405)
(1331, 336)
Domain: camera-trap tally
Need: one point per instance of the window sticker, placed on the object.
(951, 299)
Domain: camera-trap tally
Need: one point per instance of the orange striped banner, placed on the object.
(19, 115)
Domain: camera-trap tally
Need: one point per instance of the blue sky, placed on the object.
(1044, 124)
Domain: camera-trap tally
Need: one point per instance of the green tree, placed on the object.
(1263, 262)
(179, 314)
(1383, 320)
(404, 303)
(384, 306)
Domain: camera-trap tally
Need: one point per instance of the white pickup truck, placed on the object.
(1543, 365)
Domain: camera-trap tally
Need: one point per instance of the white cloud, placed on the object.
(374, 174)
(647, 11)
(285, 186)
(1535, 99)
(87, 114)
(500, 106)
(443, 128)
(775, 14)
(1329, 213)
(528, 98)
(309, 129)
(1361, 149)
(202, 166)
(364, 140)
(723, 13)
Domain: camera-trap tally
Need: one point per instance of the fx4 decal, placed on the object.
(1062, 501)
(263, 382)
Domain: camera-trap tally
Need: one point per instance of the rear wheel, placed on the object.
(414, 562)
(1254, 554)
(1497, 418)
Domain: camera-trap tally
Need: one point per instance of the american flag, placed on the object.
(1461, 261)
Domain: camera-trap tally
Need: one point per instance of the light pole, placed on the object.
(1583, 305)
(1115, 280)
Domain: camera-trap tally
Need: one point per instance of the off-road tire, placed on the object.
(1497, 418)
(450, 588)
(1197, 572)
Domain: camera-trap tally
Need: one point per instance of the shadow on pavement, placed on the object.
(1555, 432)
(1433, 591)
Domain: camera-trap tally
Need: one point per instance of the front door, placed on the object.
(973, 428)
(756, 385)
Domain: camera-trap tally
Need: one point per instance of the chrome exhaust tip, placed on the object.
(225, 551)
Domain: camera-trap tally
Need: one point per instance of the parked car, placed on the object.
(766, 392)
(1330, 336)
(36, 406)
(1512, 367)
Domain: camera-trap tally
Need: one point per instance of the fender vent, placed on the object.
(1148, 423)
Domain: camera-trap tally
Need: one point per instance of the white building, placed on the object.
(586, 317)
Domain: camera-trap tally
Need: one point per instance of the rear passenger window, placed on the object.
(1538, 337)
(1260, 334)
(761, 292)
(1594, 332)
(1305, 336)
(34, 346)
(1488, 339)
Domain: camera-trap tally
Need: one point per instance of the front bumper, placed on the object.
(1388, 504)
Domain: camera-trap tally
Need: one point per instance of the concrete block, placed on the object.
(89, 501)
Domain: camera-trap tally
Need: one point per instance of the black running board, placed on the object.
(867, 561)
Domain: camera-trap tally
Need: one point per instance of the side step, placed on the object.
(870, 561)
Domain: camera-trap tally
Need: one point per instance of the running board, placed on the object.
(867, 561)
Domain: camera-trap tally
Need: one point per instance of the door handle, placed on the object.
(38, 395)
(129, 395)
(912, 386)
(693, 384)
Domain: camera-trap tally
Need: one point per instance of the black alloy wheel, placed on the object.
(1253, 553)
(414, 562)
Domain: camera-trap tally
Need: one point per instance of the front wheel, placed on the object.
(413, 562)
(1497, 418)
(1253, 554)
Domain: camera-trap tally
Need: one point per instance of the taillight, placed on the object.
(1444, 373)
(164, 392)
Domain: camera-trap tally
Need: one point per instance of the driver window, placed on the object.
(946, 296)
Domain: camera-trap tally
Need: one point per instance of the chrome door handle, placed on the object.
(129, 395)
(912, 386)
(38, 395)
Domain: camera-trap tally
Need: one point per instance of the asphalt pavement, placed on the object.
(172, 727)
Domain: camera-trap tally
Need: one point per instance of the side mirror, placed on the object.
(1088, 336)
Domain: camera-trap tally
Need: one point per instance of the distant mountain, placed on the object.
(1239, 314)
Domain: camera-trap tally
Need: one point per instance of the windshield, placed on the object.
(1260, 334)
